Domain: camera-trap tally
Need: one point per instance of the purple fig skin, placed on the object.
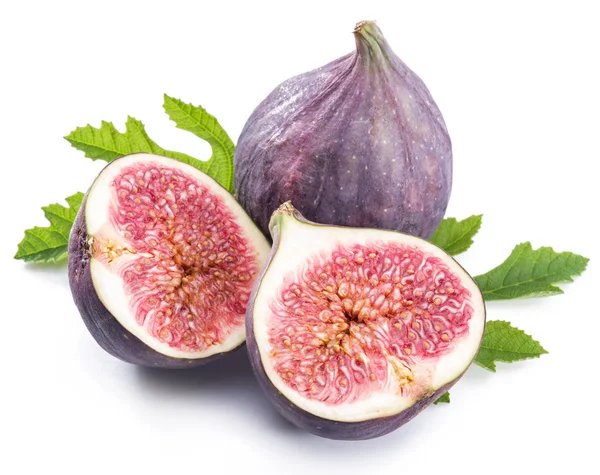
(368, 429)
(103, 326)
(358, 142)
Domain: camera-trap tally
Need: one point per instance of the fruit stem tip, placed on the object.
(361, 24)
(286, 208)
(370, 42)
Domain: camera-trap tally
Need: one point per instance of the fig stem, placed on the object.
(359, 26)
(285, 210)
(370, 41)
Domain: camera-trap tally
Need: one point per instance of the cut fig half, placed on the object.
(353, 331)
(162, 261)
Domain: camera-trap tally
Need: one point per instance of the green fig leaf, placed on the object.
(454, 236)
(49, 244)
(107, 143)
(503, 342)
(530, 273)
(443, 399)
(196, 120)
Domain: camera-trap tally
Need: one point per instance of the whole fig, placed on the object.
(358, 142)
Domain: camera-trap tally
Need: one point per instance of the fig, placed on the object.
(352, 332)
(162, 261)
(358, 142)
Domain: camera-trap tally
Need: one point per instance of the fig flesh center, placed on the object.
(366, 319)
(184, 263)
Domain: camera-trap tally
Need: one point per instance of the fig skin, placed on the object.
(104, 327)
(326, 428)
(358, 142)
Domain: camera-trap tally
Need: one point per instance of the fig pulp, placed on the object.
(358, 142)
(353, 331)
(162, 261)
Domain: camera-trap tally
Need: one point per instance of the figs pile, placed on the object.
(353, 325)
(358, 142)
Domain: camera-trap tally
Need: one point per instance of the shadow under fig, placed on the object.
(229, 370)
(229, 380)
(42, 267)
(53, 272)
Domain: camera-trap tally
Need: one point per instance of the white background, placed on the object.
(518, 85)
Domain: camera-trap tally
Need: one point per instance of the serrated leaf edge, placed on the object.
(552, 289)
(528, 356)
(57, 252)
(475, 228)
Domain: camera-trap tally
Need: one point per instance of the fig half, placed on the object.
(353, 331)
(162, 261)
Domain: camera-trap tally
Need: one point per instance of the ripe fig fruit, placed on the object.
(352, 332)
(162, 261)
(357, 142)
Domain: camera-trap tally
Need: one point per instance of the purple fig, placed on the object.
(357, 142)
(353, 331)
(162, 261)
